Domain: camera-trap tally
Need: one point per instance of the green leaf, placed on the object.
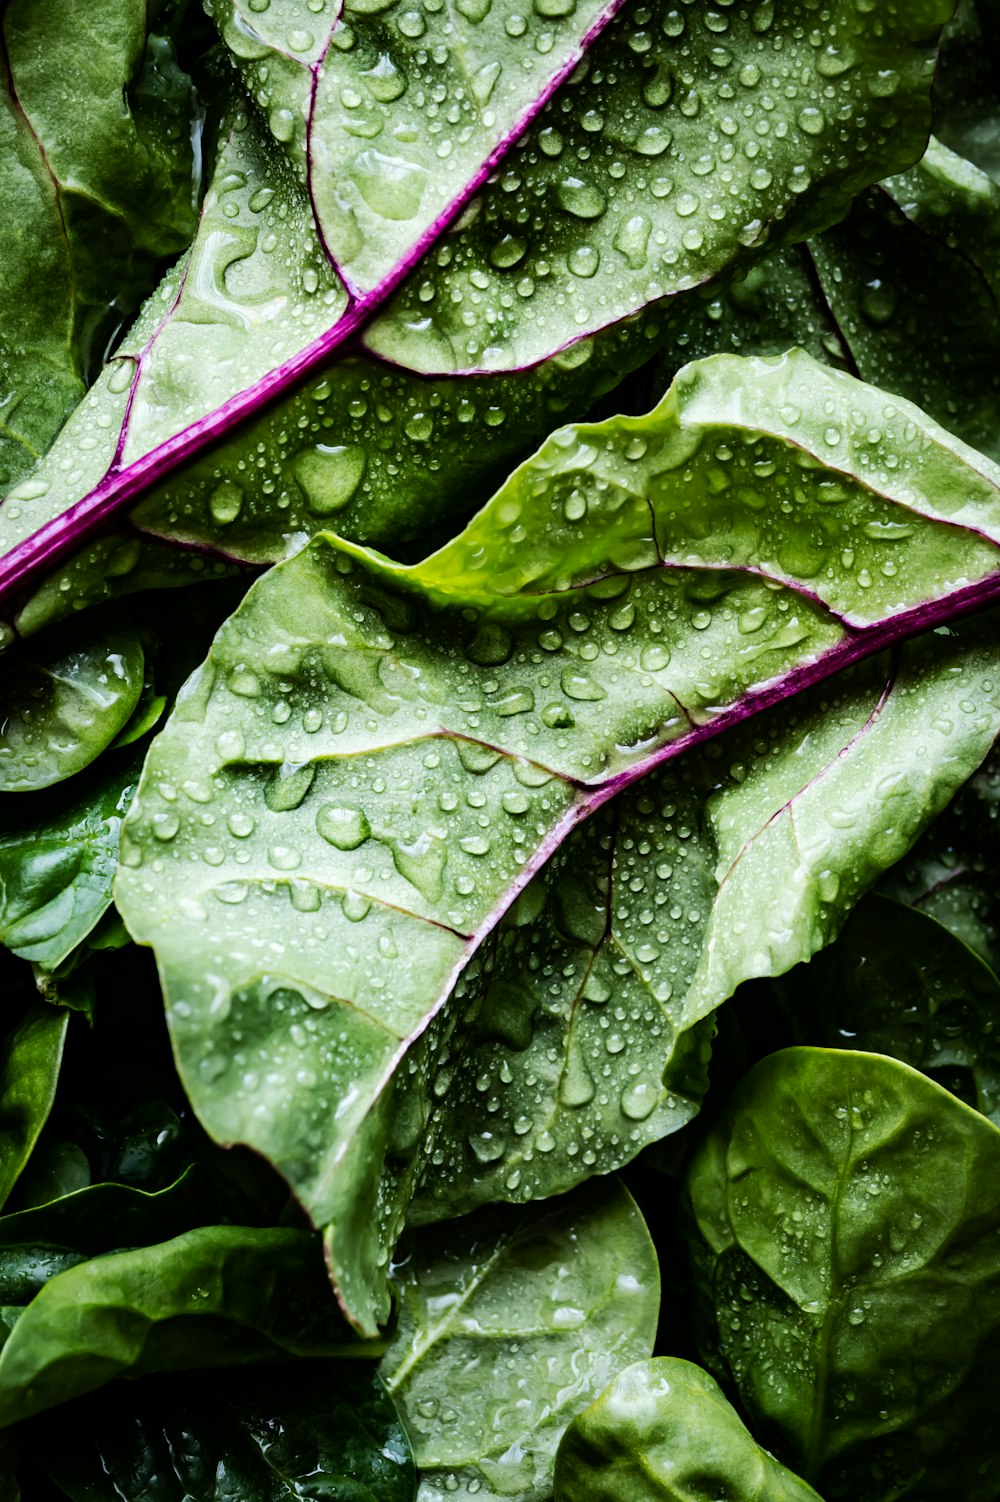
(912, 278)
(98, 186)
(670, 161)
(217, 1296)
(736, 861)
(319, 1430)
(510, 1322)
(28, 1075)
(56, 865)
(66, 697)
(952, 874)
(663, 1432)
(897, 982)
(966, 103)
(846, 1214)
(364, 735)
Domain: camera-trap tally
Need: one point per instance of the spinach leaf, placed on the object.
(951, 872)
(845, 1217)
(65, 698)
(663, 1432)
(215, 1296)
(897, 982)
(376, 759)
(56, 866)
(324, 1431)
(509, 1323)
(28, 1075)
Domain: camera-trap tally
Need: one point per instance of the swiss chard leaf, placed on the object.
(663, 1432)
(845, 1220)
(320, 1431)
(28, 1076)
(510, 1322)
(591, 220)
(364, 734)
(96, 120)
(732, 862)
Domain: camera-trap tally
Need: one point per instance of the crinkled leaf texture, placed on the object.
(320, 1431)
(376, 760)
(664, 1432)
(510, 1322)
(846, 1239)
(97, 128)
(686, 144)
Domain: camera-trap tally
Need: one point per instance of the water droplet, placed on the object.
(390, 185)
(581, 198)
(329, 476)
(226, 502)
(385, 80)
(344, 828)
(579, 686)
(638, 1101)
(632, 240)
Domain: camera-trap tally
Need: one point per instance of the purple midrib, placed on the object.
(858, 644)
(25, 562)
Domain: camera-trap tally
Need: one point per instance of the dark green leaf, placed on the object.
(321, 1431)
(28, 1076)
(663, 1432)
(912, 278)
(65, 698)
(899, 983)
(96, 124)
(847, 1237)
(57, 862)
(953, 872)
(218, 1296)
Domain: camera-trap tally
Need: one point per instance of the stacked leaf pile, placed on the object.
(498, 582)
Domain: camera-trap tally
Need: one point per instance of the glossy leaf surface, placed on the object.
(96, 121)
(65, 698)
(664, 1432)
(218, 1296)
(28, 1077)
(365, 735)
(56, 871)
(735, 861)
(897, 982)
(911, 278)
(509, 1323)
(846, 1216)
(321, 1431)
(951, 873)
(591, 221)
